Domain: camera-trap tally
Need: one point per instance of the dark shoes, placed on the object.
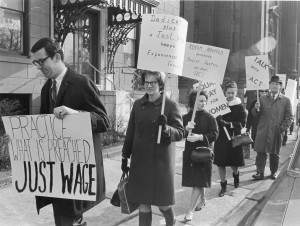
(258, 176)
(236, 179)
(201, 205)
(223, 188)
(273, 176)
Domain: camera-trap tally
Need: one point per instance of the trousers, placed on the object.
(261, 159)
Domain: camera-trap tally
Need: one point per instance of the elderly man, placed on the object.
(275, 112)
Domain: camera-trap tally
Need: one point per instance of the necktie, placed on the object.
(53, 91)
(273, 97)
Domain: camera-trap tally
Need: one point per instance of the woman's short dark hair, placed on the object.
(230, 84)
(50, 45)
(192, 98)
(160, 76)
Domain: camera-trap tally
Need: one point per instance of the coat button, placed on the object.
(153, 121)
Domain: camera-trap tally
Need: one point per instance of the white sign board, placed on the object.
(291, 93)
(52, 157)
(257, 72)
(204, 62)
(162, 43)
(283, 79)
(216, 103)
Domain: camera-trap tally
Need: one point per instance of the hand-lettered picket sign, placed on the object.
(52, 157)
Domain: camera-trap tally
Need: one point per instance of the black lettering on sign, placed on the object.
(25, 180)
(255, 81)
(261, 63)
(32, 179)
(66, 179)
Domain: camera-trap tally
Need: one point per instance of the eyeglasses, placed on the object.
(40, 62)
(150, 83)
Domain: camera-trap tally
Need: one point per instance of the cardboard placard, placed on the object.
(52, 157)
(257, 72)
(162, 43)
(204, 62)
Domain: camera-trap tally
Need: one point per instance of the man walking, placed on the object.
(275, 112)
(66, 92)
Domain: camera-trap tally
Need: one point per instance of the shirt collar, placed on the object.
(60, 77)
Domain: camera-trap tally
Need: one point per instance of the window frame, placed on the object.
(24, 32)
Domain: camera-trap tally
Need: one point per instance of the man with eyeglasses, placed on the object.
(67, 92)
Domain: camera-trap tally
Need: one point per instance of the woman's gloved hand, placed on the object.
(190, 126)
(194, 137)
(162, 121)
(124, 166)
(222, 122)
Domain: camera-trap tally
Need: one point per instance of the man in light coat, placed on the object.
(275, 112)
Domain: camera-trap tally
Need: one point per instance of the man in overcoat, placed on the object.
(66, 92)
(275, 117)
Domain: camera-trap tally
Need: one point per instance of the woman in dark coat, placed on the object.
(204, 132)
(233, 122)
(151, 174)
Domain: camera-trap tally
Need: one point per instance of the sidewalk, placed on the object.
(232, 209)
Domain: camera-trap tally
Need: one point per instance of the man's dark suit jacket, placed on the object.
(79, 93)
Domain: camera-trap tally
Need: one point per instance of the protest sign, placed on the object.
(283, 79)
(257, 72)
(216, 103)
(291, 93)
(162, 43)
(52, 157)
(204, 62)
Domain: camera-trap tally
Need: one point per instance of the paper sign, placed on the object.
(257, 72)
(52, 157)
(162, 43)
(216, 103)
(291, 93)
(204, 62)
(283, 79)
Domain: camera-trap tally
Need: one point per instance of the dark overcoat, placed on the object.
(79, 93)
(252, 122)
(275, 117)
(198, 175)
(152, 166)
(225, 155)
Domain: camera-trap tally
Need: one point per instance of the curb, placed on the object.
(246, 211)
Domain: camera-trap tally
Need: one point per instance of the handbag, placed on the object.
(126, 206)
(202, 154)
(115, 199)
(241, 140)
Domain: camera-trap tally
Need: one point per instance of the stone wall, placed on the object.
(18, 75)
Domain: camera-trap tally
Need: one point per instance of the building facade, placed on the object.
(100, 40)
(245, 28)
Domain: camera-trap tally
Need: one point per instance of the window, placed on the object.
(12, 25)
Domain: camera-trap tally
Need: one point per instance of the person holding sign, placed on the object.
(252, 121)
(66, 92)
(204, 132)
(231, 123)
(275, 112)
(151, 173)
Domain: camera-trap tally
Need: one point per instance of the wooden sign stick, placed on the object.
(257, 97)
(195, 105)
(162, 108)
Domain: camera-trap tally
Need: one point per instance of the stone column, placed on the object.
(288, 39)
